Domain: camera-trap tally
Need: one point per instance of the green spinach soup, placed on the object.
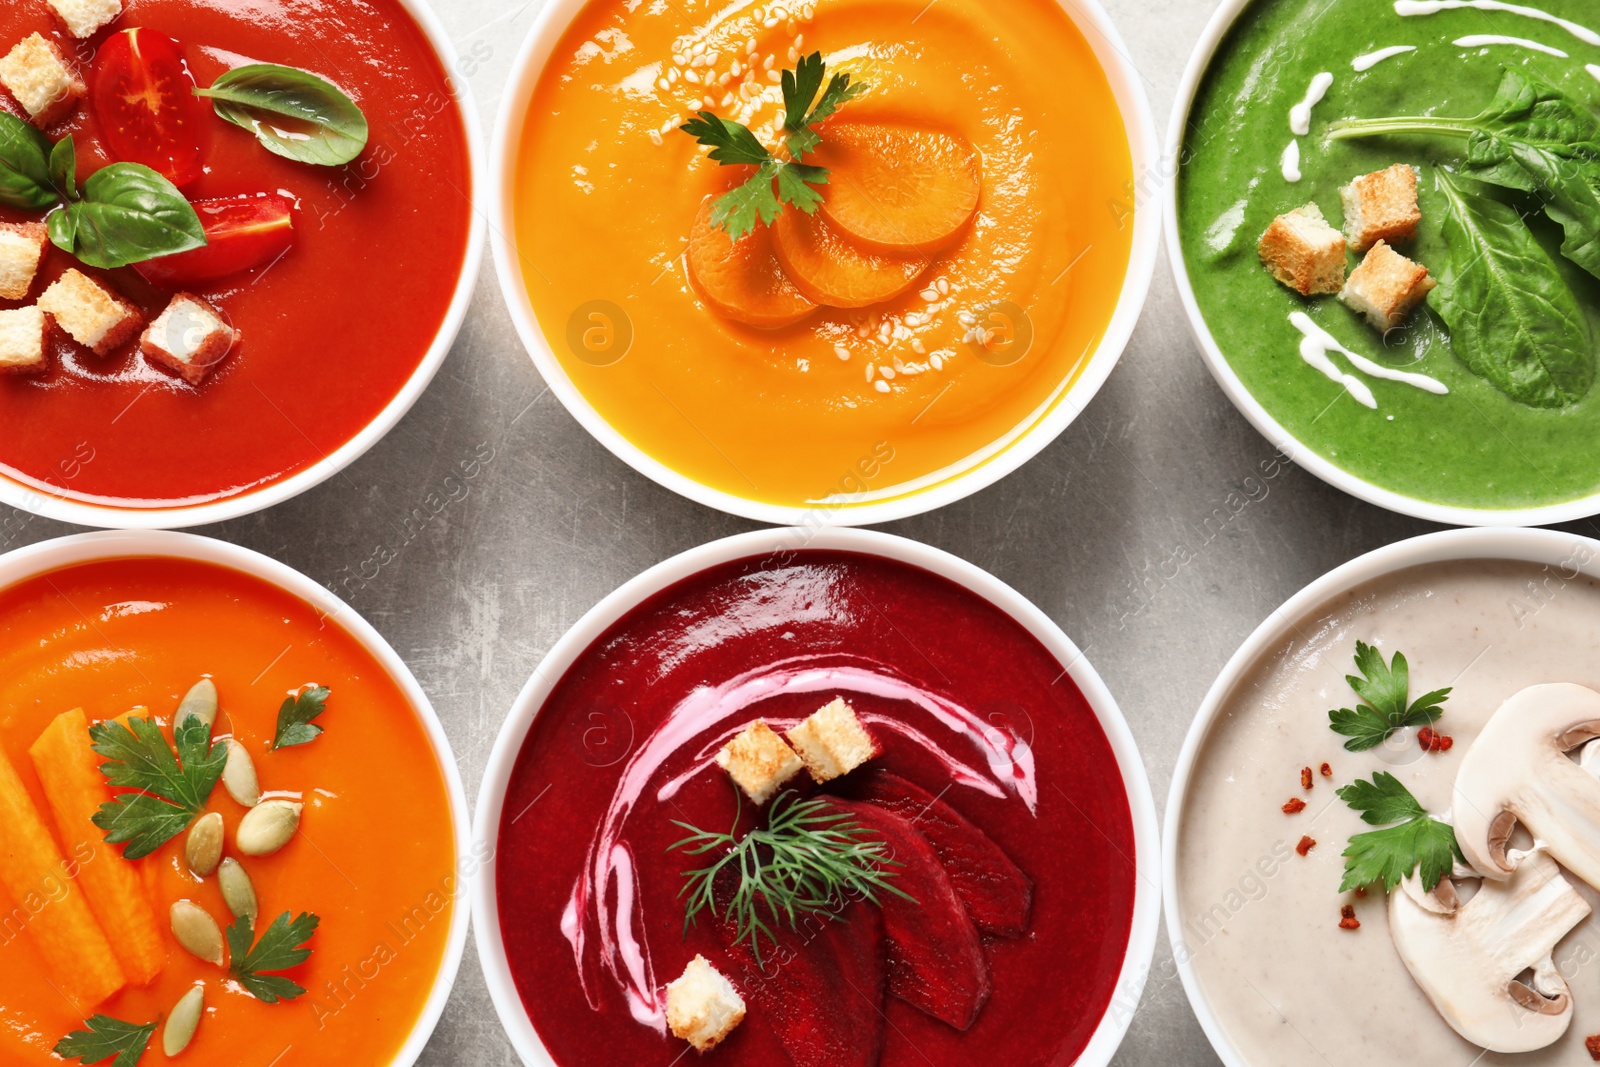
(1484, 395)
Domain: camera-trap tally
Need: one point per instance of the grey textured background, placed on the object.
(1146, 531)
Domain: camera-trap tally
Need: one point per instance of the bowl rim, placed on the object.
(1551, 547)
(1253, 410)
(50, 502)
(986, 465)
(45, 557)
(576, 641)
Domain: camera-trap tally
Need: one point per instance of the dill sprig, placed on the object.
(809, 859)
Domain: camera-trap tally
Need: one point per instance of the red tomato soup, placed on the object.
(976, 725)
(331, 331)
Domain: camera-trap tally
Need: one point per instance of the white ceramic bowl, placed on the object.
(1300, 453)
(1532, 546)
(46, 556)
(491, 798)
(980, 470)
(51, 505)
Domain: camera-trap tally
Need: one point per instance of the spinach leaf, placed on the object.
(1533, 138)
(294, 113)
(24, 166)
(1513, 320)
(127, 213)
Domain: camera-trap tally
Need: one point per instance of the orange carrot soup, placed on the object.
(157, 842)
(886, 244)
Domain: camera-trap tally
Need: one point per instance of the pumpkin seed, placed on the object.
(203, 847)
(183, 1020)
(267, 827)
(239, 775)
(199, 702)
(238, 892)
(197, 931)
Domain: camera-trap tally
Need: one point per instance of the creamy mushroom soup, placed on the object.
(1261, 923)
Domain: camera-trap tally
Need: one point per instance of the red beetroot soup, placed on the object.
(331, 331)
(965, 705)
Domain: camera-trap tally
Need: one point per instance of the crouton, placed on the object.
(759, 761)
(22, 246)
(832, 741)
(38, 75)
(1304, 252)
(22, 339)
(89, 313)
(83, 17)
(189, 338)
(1386, 287)
(1381, 206)
(702, 1005)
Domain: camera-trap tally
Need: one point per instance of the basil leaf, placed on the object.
(24, 166)
(128, 214)
(1513, 320)
(64, 169)
(292, 112)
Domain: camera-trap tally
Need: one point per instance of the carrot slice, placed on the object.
(36, 876)
(742, 280)
(898, 190)
(830, 270)
(69, 770)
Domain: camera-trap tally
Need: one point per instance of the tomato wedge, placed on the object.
(143, 97)
(241, 233)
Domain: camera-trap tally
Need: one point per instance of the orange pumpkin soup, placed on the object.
(941, 332)
(373, 858)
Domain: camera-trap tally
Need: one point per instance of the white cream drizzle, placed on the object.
(1300, 114)
(1362, 64)
(1488, 40)
(1430, 7)
(1315, 345)
(609, 870)
(1290, 163)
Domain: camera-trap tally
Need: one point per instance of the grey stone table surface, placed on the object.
(1146, 531)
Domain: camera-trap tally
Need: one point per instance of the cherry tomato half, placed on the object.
(241, 233)
(143, 97)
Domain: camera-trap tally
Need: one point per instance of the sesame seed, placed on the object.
(887, 372)
(901, 367)
(918, 347)
(655, 138)
(930, 294)
(967, 318)
(944, 287)
(691, 77)
(711, 58)
(728, 99)
(841, 351)
(881, 386)
(770, 24)
(724, 78)
(663, 84)
(870, 370)
(736, 69)
(861, 329)
(789, 27)
(794, 54)
(768, 62)
(679, 58)
(699, 49)
(938, 364)
(800, 41)
(749, 44)
(774, 77)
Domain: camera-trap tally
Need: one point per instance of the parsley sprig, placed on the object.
(172, 790)
(808, 859)
(1384, 689)
(106, 1037)
(778, 180)
(295, 715)
(280, 947)
(1416, 839)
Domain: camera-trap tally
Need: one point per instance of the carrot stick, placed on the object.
(63, 927)
(69, 770)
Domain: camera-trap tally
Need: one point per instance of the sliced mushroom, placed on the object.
(1469, 958)
(1518, 771)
